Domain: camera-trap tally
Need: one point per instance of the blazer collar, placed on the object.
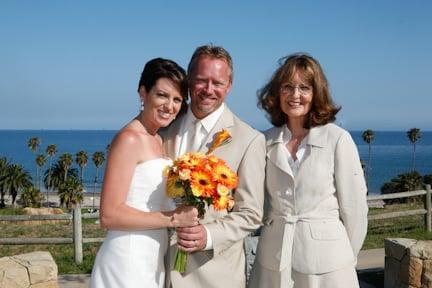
(275, 149)
(317, 136)
(274, 135)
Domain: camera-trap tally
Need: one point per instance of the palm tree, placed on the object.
(81, 158)
(70, 192)
(40, 162)
(65, 160)
(98, 159)
(51, 150)
(33, 143)
(54, 176)
(414, 135)
(368, 136)
(31, 197)
(16, 180)
(4, 163)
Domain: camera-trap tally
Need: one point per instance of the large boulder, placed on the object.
(30, 270)
(42, 211)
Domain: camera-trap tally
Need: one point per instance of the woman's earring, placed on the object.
(142, 106)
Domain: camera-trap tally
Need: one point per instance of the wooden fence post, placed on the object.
(428, 218)
(77, 234)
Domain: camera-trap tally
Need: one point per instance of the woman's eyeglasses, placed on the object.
(290, 89)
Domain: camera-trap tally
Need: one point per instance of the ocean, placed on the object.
(391, 151)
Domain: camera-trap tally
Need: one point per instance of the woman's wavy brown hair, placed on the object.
(323, 109)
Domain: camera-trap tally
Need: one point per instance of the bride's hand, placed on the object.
(185, 216)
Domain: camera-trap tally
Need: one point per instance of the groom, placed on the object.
(216, 246)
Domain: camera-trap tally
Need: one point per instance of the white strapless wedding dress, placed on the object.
(135, 258)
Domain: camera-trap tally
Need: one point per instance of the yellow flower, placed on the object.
(174, 187)
(225, 176)
(222, 190)
(202, 184)
(166, 171)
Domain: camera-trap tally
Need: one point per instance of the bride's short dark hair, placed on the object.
(164, 68)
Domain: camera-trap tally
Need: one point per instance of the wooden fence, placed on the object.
(77, 238)
(426, 211)
(77, 217)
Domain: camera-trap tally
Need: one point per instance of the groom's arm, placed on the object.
(247, 214)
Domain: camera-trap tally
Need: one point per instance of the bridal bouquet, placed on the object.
(200, 179)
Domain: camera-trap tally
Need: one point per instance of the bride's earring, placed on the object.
(142, 105)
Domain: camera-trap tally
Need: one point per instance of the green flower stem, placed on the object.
(180, 261)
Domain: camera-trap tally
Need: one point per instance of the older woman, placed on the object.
(316, 217)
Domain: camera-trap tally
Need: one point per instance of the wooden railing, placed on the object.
(77, 239)
(426, 211)
(77, 217)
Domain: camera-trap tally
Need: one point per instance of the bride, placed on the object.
(134, 207)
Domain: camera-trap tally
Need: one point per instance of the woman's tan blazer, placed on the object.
(316, 221)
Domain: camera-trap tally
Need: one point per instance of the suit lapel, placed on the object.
(276, 152)
(226, 121)
(316, 141)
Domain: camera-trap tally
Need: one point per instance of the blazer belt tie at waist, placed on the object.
(289, 223)
(293, 219)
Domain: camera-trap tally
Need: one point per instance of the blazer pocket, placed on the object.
(322, 247)
(326, 231)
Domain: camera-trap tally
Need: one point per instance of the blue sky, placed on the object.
(76, 64)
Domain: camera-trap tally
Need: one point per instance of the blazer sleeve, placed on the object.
(247, 214)
(351, 191)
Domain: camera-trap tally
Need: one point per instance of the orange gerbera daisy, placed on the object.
(225, 176)
(202, 184)
(222, 203)
(190, 161)
(213, 160)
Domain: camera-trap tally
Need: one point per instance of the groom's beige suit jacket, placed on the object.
(224, 265)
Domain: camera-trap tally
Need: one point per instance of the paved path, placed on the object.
(371, 259)
(368, 259)
(74, 281)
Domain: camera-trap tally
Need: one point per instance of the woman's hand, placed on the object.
(185, 216)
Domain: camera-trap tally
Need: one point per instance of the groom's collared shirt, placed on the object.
(185, 137)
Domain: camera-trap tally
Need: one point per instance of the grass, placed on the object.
(378, 230)
(63, 254)
(402, 227)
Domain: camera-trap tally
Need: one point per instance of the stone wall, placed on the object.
(408, 263)
(31, 270)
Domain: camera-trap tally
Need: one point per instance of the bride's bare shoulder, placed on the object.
(127, 137)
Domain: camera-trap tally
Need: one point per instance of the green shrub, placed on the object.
(409, 181)
(31, 197)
